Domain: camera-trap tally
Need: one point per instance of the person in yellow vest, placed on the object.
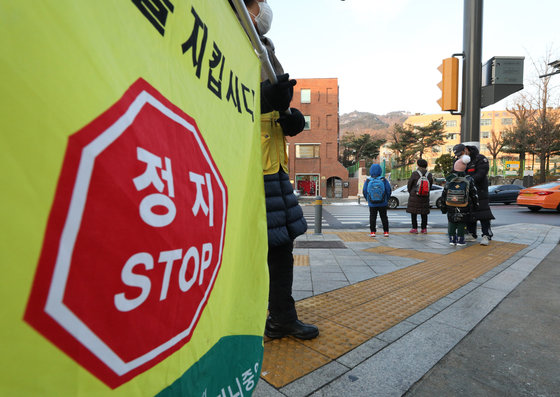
(284, 215)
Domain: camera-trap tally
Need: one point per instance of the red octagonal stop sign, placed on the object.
(134, 239)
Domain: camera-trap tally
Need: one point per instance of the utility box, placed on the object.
(501, 77)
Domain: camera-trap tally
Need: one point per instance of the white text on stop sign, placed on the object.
(200, 261)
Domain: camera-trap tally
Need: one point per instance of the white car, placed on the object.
(399, 197)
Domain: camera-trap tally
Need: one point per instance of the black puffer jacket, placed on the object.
(478, 169)
(283, 213)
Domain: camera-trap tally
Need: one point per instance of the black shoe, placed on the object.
(297, 329)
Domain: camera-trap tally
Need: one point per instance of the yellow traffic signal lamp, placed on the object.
(449, 84)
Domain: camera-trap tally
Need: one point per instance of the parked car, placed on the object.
(399, 197)
(537, 197)
(506, 194)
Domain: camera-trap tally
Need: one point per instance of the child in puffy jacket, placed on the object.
(459, 200)
(377, 199)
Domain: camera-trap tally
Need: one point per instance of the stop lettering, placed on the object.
(134, 240)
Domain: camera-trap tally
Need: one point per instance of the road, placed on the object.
(354, 216)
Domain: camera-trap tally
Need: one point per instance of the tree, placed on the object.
(412, 141)
(495, 147)
(545, 123)
(519, 138)
(402, 140)
(428, 137)
(444, 164)
(361, 147)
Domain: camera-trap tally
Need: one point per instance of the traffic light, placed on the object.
(449, 84)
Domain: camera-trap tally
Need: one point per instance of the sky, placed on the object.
(385, 53)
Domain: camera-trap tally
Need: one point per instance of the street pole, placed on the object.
(472, 72)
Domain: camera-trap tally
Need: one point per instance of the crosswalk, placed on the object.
(349, 220)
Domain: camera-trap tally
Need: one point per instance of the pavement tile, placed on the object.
(301, 294)
(360, 353)
(264, 389)
(542, 251)
(507, 280)
(350, 262)
(441, 304)
(465, 289)
(318, 378)
(526, 264)
(399, 365)
(422, 316)
(327, 286)
(395, 332)
(467, 312)
(324, 267)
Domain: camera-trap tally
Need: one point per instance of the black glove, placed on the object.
(292, 124)
(277, 96)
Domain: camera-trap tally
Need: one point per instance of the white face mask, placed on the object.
(264, 19)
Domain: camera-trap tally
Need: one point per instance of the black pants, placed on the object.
(373, 218)
(281, 305)
(414, 218)
(484, 226)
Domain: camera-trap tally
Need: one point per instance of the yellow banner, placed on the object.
(134, 246)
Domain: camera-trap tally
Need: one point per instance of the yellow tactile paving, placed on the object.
(364, 236)
(286, 359)
(354, 236)
(324, 305)
(407, 253)
(301, 260)
(349, 316)
(335, 339)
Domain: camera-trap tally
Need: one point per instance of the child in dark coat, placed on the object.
(459, 201)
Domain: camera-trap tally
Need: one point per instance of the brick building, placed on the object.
(313, 154)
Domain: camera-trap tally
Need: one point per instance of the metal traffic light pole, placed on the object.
(472, 72)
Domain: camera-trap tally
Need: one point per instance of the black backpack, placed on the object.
(457, 192)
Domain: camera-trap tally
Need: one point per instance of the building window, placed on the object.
(507, 121)
(485, 121)
(309, 151)
(305, 95)
(485, 134)
(307, 122)
(451, 136)
(451, 123)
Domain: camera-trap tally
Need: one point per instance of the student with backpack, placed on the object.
(419, 185)
(377, 191)
(459, 201)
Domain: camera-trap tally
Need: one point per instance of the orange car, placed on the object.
(546, 195)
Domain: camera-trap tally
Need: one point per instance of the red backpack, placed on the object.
(423, 185)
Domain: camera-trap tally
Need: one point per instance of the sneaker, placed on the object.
(414, 231)
(452, 240)
(484, 240)
(372, 234)
(461, 241)
(424, 231)
(297, 329)
(386, 234)
(469, 237)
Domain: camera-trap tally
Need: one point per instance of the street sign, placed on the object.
(501, 76)
(139, 177)
(512, 167)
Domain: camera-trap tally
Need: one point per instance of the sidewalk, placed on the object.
(390, 309)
